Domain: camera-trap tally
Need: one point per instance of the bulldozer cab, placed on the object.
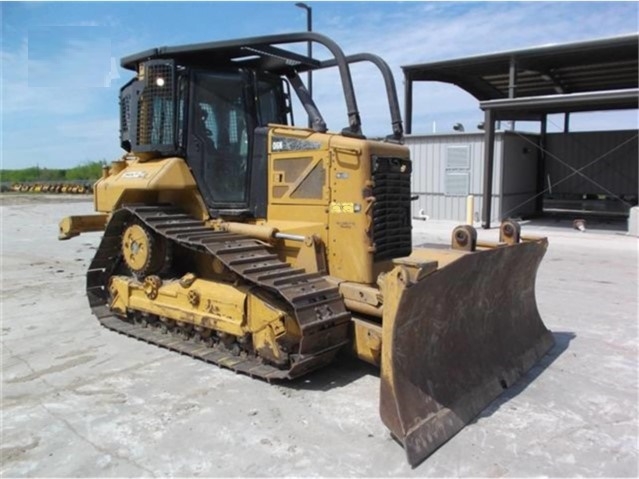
(207, 116)
(211, 103)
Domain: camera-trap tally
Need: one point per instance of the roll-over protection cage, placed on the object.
(257, 53)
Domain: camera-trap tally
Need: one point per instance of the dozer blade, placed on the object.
(455, 339)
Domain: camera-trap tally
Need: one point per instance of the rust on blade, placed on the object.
(455, 339)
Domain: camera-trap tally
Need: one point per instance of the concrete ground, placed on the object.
(78, 400)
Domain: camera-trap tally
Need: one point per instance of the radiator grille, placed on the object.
(125, 113)
(155, 107)
(125, 119)
(391, 209)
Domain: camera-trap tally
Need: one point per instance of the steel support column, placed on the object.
(512, 84)
(566, 122)
(489, 162)
(512, 78)
(541, 166)
(408, 104)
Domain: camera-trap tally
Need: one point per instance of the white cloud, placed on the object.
(21, 97)
(69, 56)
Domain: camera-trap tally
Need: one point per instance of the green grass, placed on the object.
(88, 171)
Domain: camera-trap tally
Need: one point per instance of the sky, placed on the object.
(61, 75)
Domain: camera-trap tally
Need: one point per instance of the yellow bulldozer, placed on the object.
(237, 238)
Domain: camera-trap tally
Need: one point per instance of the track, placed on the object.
(316, 303)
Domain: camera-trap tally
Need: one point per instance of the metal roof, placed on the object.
(534, 108)
(597, 65)
(237, 51)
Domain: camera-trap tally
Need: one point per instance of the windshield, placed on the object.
(271, 108)
(221, 121)
(220, 126)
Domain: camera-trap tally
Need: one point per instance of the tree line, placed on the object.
(88, 171)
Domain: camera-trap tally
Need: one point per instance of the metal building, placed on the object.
(519, 174)
(449, 167)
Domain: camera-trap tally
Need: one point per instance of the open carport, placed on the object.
(576, 172)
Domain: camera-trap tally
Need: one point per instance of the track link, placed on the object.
(314, 301)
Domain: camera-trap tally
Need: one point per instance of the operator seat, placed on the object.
(203, 133)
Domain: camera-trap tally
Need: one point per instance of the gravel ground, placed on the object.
(78, 400)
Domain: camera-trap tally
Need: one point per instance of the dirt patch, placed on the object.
(9, 454)
(53, 369)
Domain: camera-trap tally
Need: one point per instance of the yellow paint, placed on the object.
(267, 324)
(74, 225)
(341, 216)
(443, 256)
(367, 341)
(394, 286)
(470, 209)
(338, 211)
(222, 307)
(166, 180)
(136, 247)
(290, 214)
(350, 243)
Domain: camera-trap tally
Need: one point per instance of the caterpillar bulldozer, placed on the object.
(237, 238)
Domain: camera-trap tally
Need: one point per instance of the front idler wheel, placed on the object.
(144, 251)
